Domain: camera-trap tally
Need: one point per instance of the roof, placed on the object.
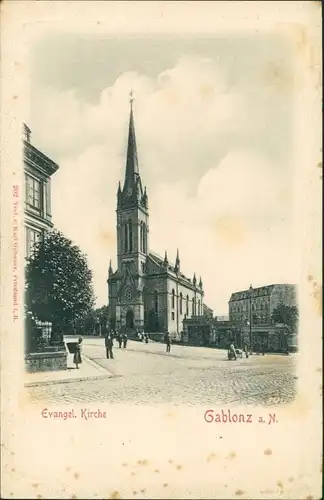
(39, 160)
(160, 261)
(258, 292)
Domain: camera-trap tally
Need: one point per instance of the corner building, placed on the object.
(38, 169)
(146, 292)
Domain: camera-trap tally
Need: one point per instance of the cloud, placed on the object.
(214, 190)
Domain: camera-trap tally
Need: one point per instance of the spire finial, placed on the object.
(110, 271)
(131, 97)
(177, 262)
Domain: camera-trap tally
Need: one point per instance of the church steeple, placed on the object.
(132, 160)
(132, 192)
(132, 210)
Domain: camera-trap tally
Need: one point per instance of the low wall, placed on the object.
(46, 361)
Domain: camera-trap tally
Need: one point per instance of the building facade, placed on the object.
(250, 313)
(257, 304)
(146, 292)
(38, 169)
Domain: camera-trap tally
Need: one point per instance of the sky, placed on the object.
(214, 127)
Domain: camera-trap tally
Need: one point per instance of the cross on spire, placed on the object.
(131, 97)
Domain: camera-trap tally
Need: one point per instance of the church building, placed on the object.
(146, 292)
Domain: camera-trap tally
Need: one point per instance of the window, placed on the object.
(198, 307)
(172, 316)
(143, 267)
(32, 237)
(141, 237)
(172, 300)
(130, 236)
(180, 303)
(33, 192)
(187, 305)
(193, 307)
(144, 239)
(156, 302)
(128, 294)
(125, 238)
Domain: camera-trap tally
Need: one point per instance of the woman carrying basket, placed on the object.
(77, 355)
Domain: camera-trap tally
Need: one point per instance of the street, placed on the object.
(191, 376)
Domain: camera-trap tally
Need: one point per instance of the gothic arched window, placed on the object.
(198, 312)
(193, 307)
(144, 238)
(125, 238)
(173, 295)
(128, 294)
(130, 236)
(156, 301)
(187, 305)
(180, 302)
(141, 237)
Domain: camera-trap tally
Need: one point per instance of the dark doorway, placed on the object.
(130, 319)
(153, 321)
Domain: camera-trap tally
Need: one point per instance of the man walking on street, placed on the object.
(125, 340)
(109, 342)
(120, 339)
(168, 342)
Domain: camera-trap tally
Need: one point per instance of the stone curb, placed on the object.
(68, 380)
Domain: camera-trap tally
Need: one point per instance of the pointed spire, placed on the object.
(132, 172)
(194, 279)
(177, 262)
(165, 262)
(144, 198)
(200, 283)
(119, 195)
(110, 270)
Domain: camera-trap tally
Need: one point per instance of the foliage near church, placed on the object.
(58, 282)
(96, 322)
(286, 315)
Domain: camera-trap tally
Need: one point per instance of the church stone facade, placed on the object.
(146, 292)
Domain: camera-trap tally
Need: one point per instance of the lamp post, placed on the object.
(250, 310)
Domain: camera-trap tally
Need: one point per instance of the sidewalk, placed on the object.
(88, 370)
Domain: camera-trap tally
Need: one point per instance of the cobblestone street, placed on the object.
(145, 374)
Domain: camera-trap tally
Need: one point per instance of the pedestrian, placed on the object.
(109, 343)
(146, 338)
(246, 350)
(167, 340)
(77, 355)
(120, 340)
(125, 340)
(233, 350)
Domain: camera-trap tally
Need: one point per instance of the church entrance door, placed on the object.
(130, 319)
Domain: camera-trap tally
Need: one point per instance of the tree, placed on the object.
(103, 317)
(58, 282)
(286, 315)
(89, 324)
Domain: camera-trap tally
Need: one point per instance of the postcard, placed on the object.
(160, 250)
